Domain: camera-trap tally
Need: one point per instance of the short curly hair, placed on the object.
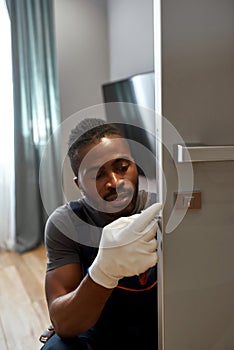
(84, 134)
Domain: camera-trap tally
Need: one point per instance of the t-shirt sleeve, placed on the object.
(60, 249)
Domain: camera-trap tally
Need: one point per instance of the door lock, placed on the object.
(188, 200)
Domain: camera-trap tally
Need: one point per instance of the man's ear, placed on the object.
(76, 180)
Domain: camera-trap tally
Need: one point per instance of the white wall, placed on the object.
(82, 52)
(130, 37)
(83, 64)
(98, 41)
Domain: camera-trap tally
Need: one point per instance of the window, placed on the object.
(7, 188)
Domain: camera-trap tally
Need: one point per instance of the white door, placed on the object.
(195, 95)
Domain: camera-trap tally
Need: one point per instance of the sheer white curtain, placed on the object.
(7, 187)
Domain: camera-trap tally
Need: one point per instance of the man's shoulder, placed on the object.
(66, 209)
(64, 220)
(73, 221)
(153, 198)
(145, 199)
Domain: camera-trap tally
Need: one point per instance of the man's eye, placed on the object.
(99, 175)
(123, 168)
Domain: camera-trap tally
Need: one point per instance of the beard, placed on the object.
(115, 205)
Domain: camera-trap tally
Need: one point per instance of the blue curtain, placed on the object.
(36, 114)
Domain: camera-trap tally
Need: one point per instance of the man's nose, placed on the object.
(113, 179)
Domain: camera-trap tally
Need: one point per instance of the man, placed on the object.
(101, 280)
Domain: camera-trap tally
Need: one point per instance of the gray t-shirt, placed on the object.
(75, 223)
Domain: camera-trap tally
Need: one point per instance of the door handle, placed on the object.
(203, 153)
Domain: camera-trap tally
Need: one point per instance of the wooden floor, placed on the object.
(23, 312)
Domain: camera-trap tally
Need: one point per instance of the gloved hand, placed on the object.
(127, 248)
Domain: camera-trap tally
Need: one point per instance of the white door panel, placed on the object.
(196, 267)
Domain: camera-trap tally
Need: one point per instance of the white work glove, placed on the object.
(127, 248)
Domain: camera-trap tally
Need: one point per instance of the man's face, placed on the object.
(108, 176)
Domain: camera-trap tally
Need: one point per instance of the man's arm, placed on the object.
(74, 304)
(128, 247)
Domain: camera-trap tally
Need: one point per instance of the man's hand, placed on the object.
(127, 248)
